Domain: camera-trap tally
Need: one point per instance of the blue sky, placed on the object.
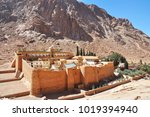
(137, 11)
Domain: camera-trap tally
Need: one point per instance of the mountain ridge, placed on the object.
(55, 21)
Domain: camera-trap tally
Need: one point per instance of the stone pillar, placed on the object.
(35, 84)
(18, 65)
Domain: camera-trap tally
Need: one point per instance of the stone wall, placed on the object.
(45, 81)
(106, 71)
(93, 74)
(52, 81)
(73, 78)
(89, 75)
(28, 72)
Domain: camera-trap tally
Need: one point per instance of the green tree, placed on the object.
(90, 53)
(94, 54)
(77, 51)
(117, 58)
(83, 52)
(126, 64)
(87, 54)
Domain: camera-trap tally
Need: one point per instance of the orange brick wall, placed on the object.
(70, 79)
(106, 71)
(90, 75)
(44, 81)
(31, 76)
(52, 81)
(35, 84)
(74, 76)
(77, 76)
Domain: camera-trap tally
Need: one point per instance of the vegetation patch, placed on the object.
(117, 58)
(145, 68)
(131, 73)
(82, 52)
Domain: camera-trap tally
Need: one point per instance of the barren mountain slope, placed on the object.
(66, 23)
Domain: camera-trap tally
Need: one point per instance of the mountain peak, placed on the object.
(70, 19)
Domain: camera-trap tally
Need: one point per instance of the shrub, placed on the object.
(145, 68)
(132, 73)
(117, 58)
(77, 51)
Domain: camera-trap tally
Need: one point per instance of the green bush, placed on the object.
(117, 58)
(145, 68)
(131, 73)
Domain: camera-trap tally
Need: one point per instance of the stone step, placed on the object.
(6, 77)
(10, 70)
(19, 94)
(13, 89)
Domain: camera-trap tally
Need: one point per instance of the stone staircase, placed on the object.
(11, 84)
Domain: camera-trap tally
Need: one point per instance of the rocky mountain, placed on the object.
(39, 23)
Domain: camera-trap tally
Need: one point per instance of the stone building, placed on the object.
(55, 71)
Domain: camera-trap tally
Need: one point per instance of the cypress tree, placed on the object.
(87, 53)
(90, 53)
(83, 52)
(77, 52)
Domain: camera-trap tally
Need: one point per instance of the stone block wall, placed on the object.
(90, 75)
(45, 81)
(52, 81)
(73, 78)
(28, 72)
(93, 74)
(105, 71)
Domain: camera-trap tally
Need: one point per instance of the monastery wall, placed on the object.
(77, 76)
(45, 81)
(73, 78)
(93, 74)
(106, 71)
(27, 70)
(52, 81)
(89, 75)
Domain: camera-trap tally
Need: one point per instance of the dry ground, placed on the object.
(136, 90)
(133, 53)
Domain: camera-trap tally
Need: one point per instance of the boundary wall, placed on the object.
(45, 81)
